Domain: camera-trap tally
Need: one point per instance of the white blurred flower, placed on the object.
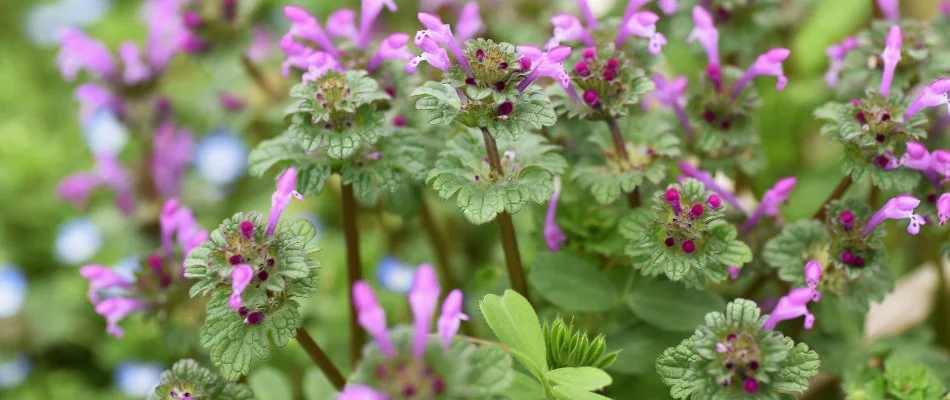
(137, 379)
(395, 276)
(78, 240)
(221, 158)
(15, 371)
(46, 19)
(104, 133)
(12, 290)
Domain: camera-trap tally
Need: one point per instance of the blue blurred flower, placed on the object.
(15, 371)
(127, 267)
(78, 240)
(395, 276)
(104, 133)
(137, 379)
(12, 290)
(45, 20)
(221, 158)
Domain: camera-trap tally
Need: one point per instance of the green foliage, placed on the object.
(672, 307)
(572, 282)
(696, 369)
(568, 347)
(439, 101)
(187, 376)
(529, 166)
(514, 322)
(896, 379)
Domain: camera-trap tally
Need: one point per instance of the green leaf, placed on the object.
(675, 368)
(639, 349)
(525, 387)
(570, 393)
(440, 101)
(490, 370)
(270, 384)
(672, 307)
(584, 378)
(271, 152)
(515, 323)
(572, 282)
(800, 365)
(317, 387)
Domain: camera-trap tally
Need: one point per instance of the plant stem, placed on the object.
(509, 242)
(619, 143)
(354, 271)
(320, 358)
(439, 246)
(259, 79)
(633, 198)
(839, 191)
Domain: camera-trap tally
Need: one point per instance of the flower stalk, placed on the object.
(842, 187)
(354, 271)
(320, 358)
(633, 198)
(509, 241)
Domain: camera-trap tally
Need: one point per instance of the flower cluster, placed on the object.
(115, 295)
(412, 363)
(188, 380)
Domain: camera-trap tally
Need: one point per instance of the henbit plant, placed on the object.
(690, 284)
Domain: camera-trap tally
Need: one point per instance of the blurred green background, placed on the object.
(56, 332)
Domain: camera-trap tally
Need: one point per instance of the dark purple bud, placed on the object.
(477, 178)
(247, 229)
(164, 280)
(754, 365)
(855, 102)
(885, 117)
(861, 118)
(728, 365)
(470, 81)
(589, 53)
(672, 197)
(480, 55)
(709, 116)
(399, 121)
(714, 72)
(726, 124)
(669, 242)
(155, 262)
(609, 74)
(235, 259)
(847, 257)
(881, 161)
(714, 201)
(858, 261)
(592, 98)
(163, 107)
(254, 318)
(880, 138)
(381, 372)
(263, 275)
(506, 108)
(191, 19)
(230, 102)
(195, 45)
(932, 198)
(503, 65)
(438, 386)
(722, 15)
(500, 86)
(270, 262)
(725, 383)
(391, 91)
(650, 152)
(689, 247)
(612, 64)
(696, 211)
(750, 385)
(525, 64)
(581, 69)
(409, 391)
(243, 311)
(847, 220)
(229, 8)
(731, 337)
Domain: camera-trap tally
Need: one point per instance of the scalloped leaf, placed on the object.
(440, 102)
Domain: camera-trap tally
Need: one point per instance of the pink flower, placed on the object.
(470, 22)
(706, 33)
(431, 53)
(167, 34)
(78, 51)
(702, 176)
(241, 276)
(171, 155)
(305, 26)
(553, 235)
(342, 24)
(733, 272)
(768, 64)
(438, 34)
(943, 208)
(360, 392)
(900, 207)
(588, 14)
(102, 278)
(114, 309)
(933, 95)
(262, 45)
(93, 98)
(451, 318)
(836, 57)
(891, 56)
(890, 9)
(672, 94)
(368, 13)
(771, 201)
(423, 299)
(940, 164)
(372, 317)
(669, 7)
(642, 24)
(917, 157)
(813, 272)
(175, 219)
(793, 305)
(286, 185)
(567, 28)
(77, 187)
(549, 64)
(133, 69)
(394, 47)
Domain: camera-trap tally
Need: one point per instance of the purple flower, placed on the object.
(891, 56)
(813, 272)
(92, 98)
(702, 176)
(114, 309)
(588, 14)
(671, 94)
(632, 7)
(167, 34)
(102, 278)
(768, 64)
(836, 56)
(77, 187)
(549, 64)
(360, 392)
(669, 7)
(943, 208)
(568, 28)
(553, 235)
(470, 22)
(171, 155)
(933, 95)
(133, 69)
(370, 9)
(890, 9)
(733, 272)
(423, 300)
(438, 34)
(286, 185)
(301, 56)
(79, 51)
(945, 7)
(175, 219)
(900, 207)
(672, 197)
(642, 24)
(451, 318)
(793, 305)
(916, 157)
(706, 33)
(372, 317)
(940, 164)
(394, 47)
(305, 26)
(241, 276)
(431, 53)
(771, 201)
(262, 45)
